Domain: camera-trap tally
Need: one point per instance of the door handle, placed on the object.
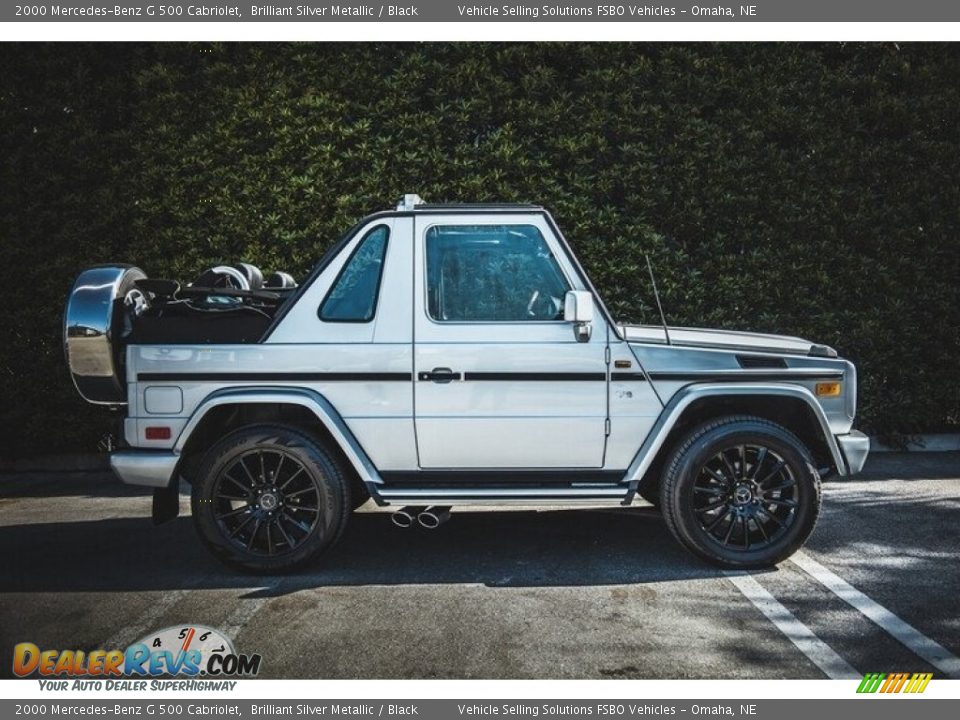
(439, 375)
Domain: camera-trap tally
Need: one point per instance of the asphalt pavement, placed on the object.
(542, 593)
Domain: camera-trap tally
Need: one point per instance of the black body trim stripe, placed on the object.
(620, 376)
(276, 377)
(746, 376)
(484, 376)
(537, 377)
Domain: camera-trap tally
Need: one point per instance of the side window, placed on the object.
(492, 273)
(353, 296)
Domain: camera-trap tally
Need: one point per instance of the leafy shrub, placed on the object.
(809, 189)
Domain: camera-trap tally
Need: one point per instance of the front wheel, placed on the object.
(269, 499)
(741, 492)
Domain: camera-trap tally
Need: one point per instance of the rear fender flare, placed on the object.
(313, 401)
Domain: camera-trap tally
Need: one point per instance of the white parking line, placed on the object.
(247, 608)
(918, 643)
(146, 621)
(821, 654)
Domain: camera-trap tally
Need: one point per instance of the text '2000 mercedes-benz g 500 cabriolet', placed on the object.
(451, 355)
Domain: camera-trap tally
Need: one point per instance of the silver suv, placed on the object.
(451, 355)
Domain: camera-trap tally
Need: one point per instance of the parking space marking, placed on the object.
(247, 608)
(819, 653)
(918, 643)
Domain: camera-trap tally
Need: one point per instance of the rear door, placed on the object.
(500, 380)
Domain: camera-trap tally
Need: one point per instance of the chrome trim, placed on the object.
(144, 467)
(684, 397)
(855, 447)
(850, 389)
(88, 329)
(313, 401)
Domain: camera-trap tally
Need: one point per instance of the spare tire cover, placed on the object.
(93, 328)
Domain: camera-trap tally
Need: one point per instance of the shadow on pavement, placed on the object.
(497, 549)
(884, 524)
(66, 484)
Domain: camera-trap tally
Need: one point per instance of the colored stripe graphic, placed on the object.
(918, 683)
(870, 682)
(894, 682)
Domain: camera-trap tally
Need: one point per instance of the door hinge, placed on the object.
(606, 354)
(606, 427)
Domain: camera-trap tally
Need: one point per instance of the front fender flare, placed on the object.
(678, 404)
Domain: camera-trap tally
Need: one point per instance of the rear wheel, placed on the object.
(269, 499)
(741, 492)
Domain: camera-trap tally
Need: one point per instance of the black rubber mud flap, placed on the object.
(166, 503)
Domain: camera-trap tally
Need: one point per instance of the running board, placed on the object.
(592, 495)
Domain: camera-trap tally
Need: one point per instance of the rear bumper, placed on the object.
(854, 447)
(144, 467)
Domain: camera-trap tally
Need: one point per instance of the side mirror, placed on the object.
(578, 309)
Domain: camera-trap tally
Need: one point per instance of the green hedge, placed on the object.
(796, 188)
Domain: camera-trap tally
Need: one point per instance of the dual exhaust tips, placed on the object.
(428, 517)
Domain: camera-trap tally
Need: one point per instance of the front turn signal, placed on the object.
(828, 389)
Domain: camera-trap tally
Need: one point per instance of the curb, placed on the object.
(947, 442)
(100, 462)
(71, 462)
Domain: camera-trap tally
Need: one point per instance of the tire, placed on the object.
(272, 517)
(741, 492)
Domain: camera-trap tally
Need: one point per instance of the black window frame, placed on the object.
(343, 269)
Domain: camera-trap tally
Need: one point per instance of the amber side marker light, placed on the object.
(828, 389)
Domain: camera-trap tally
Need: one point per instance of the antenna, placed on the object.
(656, 294)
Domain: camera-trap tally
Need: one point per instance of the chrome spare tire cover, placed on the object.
(103, 301)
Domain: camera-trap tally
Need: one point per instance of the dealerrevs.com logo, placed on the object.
(179, 651)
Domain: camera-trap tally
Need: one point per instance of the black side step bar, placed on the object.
(592, 494)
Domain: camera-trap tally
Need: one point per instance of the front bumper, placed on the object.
(855, 446)
(146, 468)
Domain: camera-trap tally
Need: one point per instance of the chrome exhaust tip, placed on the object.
(433, 517)
(406, 517)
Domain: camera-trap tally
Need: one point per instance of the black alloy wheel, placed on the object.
(266, 502)
(269, 499)
(745, 496)
(741, 492)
